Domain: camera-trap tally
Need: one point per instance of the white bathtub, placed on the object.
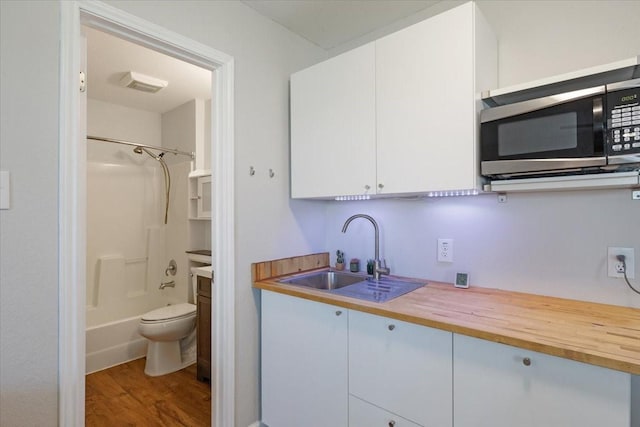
(113, 343)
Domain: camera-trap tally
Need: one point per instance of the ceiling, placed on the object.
(109, 58)
(331, 23)
(326, 23)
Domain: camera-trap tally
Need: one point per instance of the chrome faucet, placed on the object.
(378, 269)
(170, 284)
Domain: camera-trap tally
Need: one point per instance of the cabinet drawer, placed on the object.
(364, 414)
(204, 286)
(401, 367)
(496, 385)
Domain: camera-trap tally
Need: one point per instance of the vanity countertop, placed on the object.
(599, 334)
(206, 271)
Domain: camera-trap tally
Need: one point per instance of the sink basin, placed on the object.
(325, 280)
(379, 290)
(355, 285)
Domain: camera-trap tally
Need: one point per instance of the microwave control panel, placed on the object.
(623, 120)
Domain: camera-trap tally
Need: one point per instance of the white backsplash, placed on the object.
(552, 243)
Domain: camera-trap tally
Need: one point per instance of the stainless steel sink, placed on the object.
(379, 290)
(326, 280)
(355, 285)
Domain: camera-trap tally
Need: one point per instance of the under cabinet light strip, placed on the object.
(453, 193)
(353, 197)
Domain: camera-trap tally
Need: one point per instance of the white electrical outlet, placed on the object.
(445, 250)
(614, 266)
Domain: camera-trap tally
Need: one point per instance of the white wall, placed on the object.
(29, 34)
(268, 224)
(543, 243)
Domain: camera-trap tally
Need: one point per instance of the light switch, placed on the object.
(5, 190)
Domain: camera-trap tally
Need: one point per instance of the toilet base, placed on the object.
(164, 357)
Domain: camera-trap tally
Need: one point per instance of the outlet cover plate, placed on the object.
(445, 250)
(612, 262)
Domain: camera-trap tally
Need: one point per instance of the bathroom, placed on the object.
(139, 218)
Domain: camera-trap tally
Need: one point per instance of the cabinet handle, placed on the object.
(526, 361)
(391, 327)
(381, 186)
(367, 187)
(338, 312)
(392, 423)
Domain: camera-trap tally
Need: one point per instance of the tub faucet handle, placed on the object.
(172, 269)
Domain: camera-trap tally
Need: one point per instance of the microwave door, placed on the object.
(550, 135)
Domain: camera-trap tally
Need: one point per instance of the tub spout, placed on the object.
(170, 284)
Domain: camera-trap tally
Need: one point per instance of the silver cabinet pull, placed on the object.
(392, 423)
(391, 327)
(367, 187)
(338, 312)
(380, 186)
(526, 361)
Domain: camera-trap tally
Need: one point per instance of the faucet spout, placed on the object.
(170, 284)
(377, 268)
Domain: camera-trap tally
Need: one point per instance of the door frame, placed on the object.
(72, 202)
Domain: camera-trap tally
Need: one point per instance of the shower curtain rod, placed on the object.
(135, 144)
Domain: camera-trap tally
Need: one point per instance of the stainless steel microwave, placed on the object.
(589, 130)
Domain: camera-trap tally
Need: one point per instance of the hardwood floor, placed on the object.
(125, 396)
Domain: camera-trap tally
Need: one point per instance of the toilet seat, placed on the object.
(169, 313)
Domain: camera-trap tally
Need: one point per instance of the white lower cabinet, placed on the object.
(496, 385)
(304, 362)
(364, 414)
(403, 368)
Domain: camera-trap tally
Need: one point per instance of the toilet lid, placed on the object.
(170, 312)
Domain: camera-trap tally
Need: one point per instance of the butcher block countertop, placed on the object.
(598, 334)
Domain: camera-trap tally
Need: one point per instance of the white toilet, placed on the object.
(169, 330)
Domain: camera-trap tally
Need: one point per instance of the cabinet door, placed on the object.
(203, 331)
(304, 362)
(363, 414)
(333, 126)
(496, 385)
(425, 99)
(401, 367)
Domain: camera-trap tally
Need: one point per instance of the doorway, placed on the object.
(73, 192)
(147, 125)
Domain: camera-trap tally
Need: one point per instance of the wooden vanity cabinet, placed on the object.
(203, 362)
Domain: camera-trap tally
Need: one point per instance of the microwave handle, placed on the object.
(504, 111)
(598, 125)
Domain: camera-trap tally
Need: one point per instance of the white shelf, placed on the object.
(199, 172)
(572, 182)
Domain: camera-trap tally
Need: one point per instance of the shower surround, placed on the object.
(128, 244)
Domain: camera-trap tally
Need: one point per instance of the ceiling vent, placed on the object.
(143, 83)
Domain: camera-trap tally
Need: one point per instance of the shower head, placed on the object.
(137, 150)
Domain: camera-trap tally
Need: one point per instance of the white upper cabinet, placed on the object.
(333, 126)
(417, 100)
(426, 85)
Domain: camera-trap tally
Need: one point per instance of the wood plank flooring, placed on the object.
(125, 396)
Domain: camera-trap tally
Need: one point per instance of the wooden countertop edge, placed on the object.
(597, 358)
